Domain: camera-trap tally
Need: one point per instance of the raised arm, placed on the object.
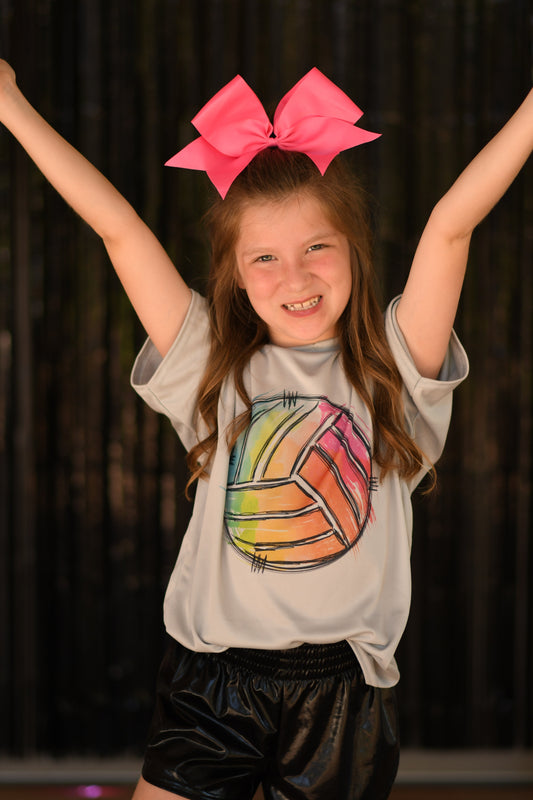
(427, 308)
(156, 290)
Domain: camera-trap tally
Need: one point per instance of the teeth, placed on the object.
(303, 306)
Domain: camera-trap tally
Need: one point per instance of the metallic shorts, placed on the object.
(302, 722)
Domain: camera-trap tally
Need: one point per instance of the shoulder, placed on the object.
(454, 369)
(194, 333)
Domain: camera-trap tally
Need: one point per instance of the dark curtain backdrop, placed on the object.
(92, 506)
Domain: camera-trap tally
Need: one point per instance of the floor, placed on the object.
(462, 793)
(400, 792)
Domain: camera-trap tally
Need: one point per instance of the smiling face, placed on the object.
(295, 268)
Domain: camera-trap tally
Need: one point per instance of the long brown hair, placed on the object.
(237, 331)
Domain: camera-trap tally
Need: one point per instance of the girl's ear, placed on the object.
(238, 279)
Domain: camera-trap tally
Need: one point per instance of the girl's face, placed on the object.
(295, 268)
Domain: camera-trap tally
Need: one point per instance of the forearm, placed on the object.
(155, 288)
(427, 309)
(83, 187)
(486, 179)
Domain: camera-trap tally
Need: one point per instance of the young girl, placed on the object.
(309, 419)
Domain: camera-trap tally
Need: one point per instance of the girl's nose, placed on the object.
(295, 274)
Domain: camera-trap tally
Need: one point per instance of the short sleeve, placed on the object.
(169, 385)
(427, 402)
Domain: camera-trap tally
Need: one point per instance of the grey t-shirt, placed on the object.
(294, 538)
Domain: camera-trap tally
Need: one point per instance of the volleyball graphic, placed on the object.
(299, 484)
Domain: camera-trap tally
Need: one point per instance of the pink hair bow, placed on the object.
(315, 117)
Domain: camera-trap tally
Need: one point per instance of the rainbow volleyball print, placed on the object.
(299, 484)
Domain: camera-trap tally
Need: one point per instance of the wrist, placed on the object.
(10, 94)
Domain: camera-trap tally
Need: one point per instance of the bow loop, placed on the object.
(315, 95)
(234, 120)
(315, 117)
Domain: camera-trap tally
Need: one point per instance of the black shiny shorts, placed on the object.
(303, 723)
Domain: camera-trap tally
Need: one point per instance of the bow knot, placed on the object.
(315, 117)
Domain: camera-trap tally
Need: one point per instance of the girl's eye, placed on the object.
(317, 247)
(264, 259)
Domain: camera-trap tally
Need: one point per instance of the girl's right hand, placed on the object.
(7, 74)
(6, 68)
(8, 82)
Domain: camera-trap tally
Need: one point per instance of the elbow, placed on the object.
(120, 225)
(450, 226)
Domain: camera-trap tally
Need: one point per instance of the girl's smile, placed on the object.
(302, 307)
(295, 268)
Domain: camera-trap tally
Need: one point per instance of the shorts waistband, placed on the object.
(306, 662)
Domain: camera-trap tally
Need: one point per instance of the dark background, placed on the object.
(92, 506)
